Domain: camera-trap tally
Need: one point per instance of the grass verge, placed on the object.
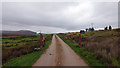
(84, 54)
(27, 60)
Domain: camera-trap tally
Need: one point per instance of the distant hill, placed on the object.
(18, 33)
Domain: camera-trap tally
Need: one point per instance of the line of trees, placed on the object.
(87, 29)
(92, 29)
(108, 28)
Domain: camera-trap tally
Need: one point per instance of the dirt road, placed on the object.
(59, 54)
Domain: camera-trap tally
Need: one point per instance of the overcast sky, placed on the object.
(58, 16)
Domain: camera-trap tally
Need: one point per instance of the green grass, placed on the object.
(19, 41)
(21, 37)
(16, 46)
(103, 44)
(101, 35)
(29, 59)
(83, 53)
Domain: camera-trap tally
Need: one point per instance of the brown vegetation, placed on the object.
(26, 45)
(104, 44)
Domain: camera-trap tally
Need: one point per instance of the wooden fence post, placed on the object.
(40, 40)
(79, 40)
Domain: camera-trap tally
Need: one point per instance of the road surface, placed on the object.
(59, 54)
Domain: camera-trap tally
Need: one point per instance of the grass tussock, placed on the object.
(26, 60)
(104, 45)
(18, 46)
(83, 53)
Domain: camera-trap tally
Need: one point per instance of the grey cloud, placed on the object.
(64, 15)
